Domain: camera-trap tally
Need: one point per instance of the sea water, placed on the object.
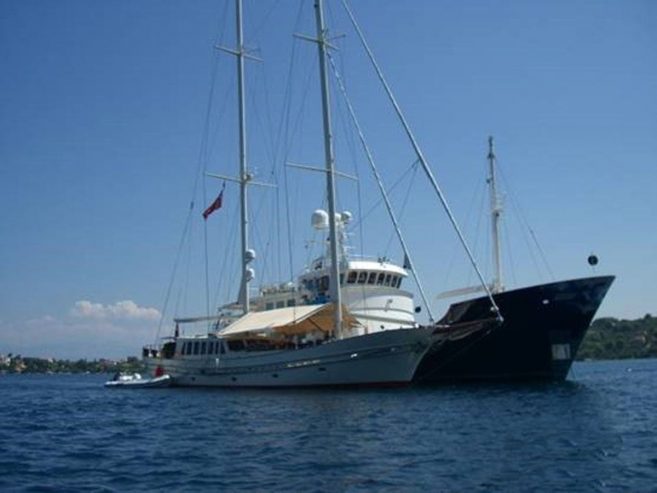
(594, 432)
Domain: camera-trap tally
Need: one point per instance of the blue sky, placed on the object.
(103, 117)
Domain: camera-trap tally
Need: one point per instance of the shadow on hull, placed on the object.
(539, 338)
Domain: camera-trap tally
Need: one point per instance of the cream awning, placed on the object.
(289, 321)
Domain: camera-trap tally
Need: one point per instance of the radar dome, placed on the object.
(346, 217)
(319, 219)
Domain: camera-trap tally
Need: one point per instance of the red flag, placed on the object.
(214, 205)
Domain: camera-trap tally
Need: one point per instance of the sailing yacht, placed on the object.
(543, 324)
(322, 331)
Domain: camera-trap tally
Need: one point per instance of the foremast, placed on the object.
(495, 213)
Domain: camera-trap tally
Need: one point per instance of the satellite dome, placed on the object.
(319, 219)
(346, 217)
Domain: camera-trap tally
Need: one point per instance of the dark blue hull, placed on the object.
(539, 338)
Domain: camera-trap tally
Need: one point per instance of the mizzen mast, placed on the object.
(244, 174)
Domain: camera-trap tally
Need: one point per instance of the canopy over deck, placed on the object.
(296, 320)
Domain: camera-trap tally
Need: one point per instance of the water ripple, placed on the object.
(68, 433)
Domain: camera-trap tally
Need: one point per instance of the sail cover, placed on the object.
(290, 321)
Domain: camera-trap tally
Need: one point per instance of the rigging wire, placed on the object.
(509, 252)
(205, 251)
(273, 176)
(525, 223)
(258, 79)
(222, 112)
(402, 209)
(425, 166)
(469, 217)
(201, 156)
(228, 264)
(262, 199)
(403, 175)
(283, 142)
(379, 181)
(173, 274)
(256, 30)
(359, 187)
(183, 290)
(478, 228)
(338, 84)
(227, 257)
(273, 147)
(289, 135)
(351, 145)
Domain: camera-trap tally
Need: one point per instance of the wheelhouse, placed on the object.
(316, 282)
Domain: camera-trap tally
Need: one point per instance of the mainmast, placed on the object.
(330, 169)
(244, 174)
(495, 213)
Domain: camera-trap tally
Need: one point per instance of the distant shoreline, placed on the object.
(12, 364)
(607, 339)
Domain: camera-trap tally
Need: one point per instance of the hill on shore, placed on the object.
(611, 338)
